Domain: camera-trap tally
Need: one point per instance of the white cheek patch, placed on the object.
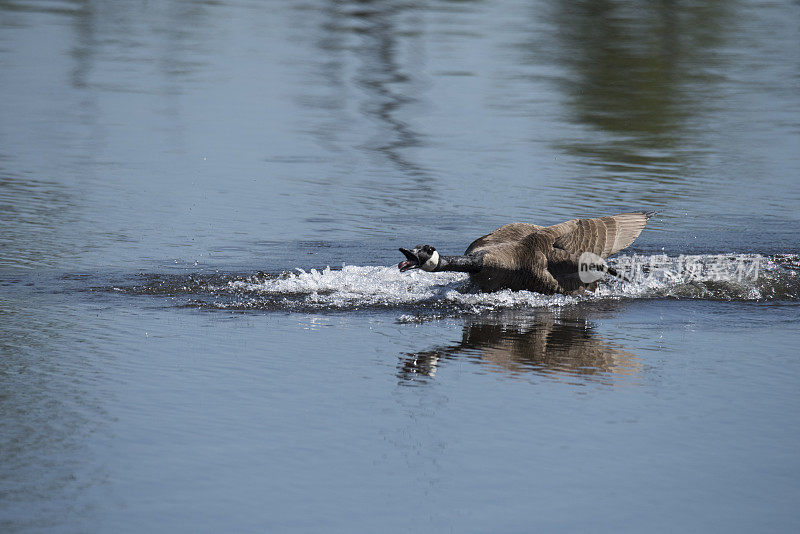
(432, 262)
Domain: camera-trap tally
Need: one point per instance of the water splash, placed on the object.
(356, 287)
(737, 277)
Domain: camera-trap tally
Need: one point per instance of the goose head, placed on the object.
(422, 257)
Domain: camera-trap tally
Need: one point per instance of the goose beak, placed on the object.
(411, 263)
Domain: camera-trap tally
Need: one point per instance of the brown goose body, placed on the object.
(544, 259)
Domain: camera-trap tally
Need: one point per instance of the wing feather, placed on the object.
(603, 236)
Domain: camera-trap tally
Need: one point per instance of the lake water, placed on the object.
(203, 328)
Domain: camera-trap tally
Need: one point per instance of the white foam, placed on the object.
(358, 286)
(370, 286)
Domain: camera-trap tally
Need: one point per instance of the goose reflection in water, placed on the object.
(556, 346)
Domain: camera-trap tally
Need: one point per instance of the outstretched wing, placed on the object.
(505, 235)
(603, 236)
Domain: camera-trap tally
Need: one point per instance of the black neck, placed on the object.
(462, 264)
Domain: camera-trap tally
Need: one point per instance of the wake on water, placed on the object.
(733, 277)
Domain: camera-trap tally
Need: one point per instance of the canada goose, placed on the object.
(544, 259)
